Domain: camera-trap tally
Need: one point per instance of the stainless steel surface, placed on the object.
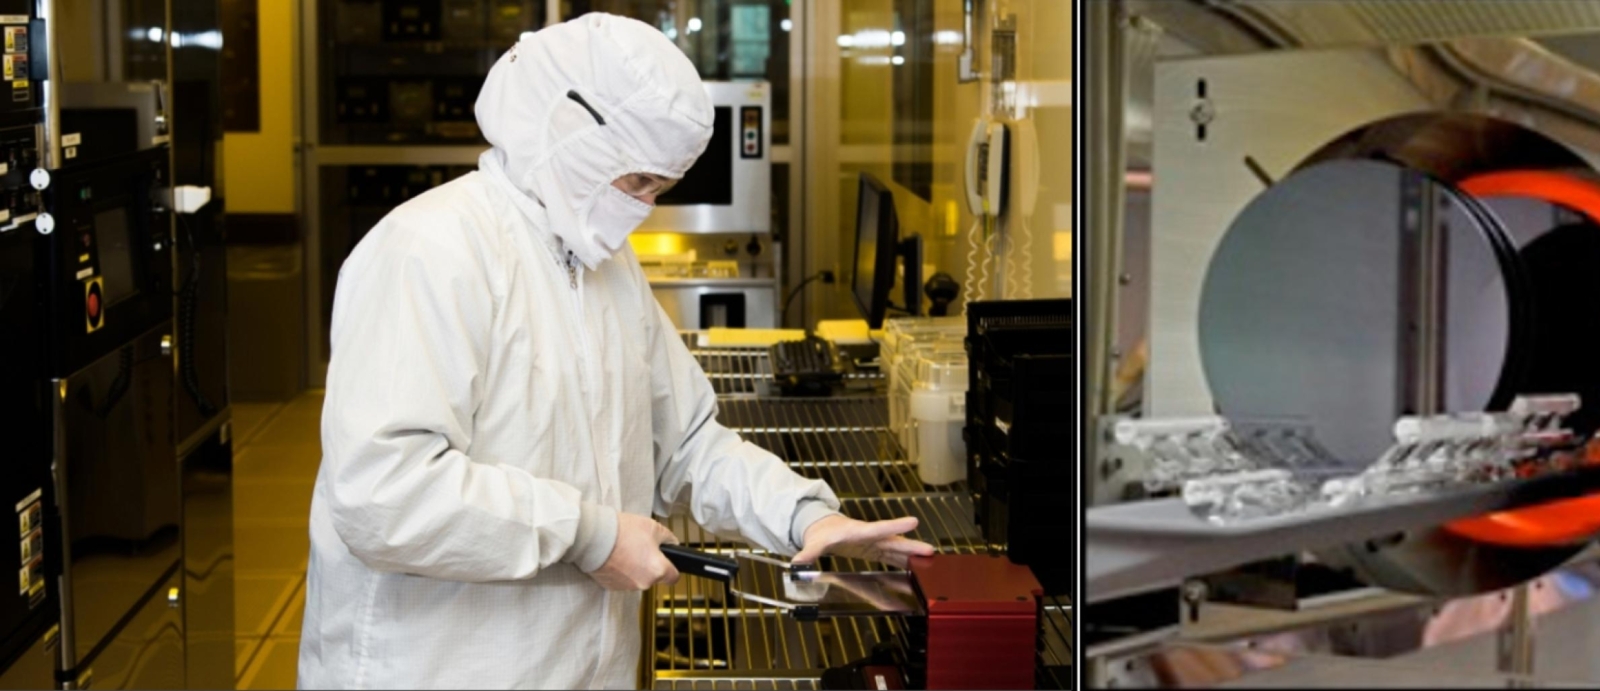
(682, 302)
(790, 257)
(1543, 74)
(1463, 636)
(209, 588)
(60, 465)
(1452, 639)
(1515, 637)
(966, 62)
(1138, 546)
(1376, 22)
(750, 208)
(1358, 616)
(818, 174)
(49, 91)
(1437, 562)
(140, 97)
(704, 639)
(1469, 634)
(1103, 125)
(121, 523)
(148, 651)
(1202, 666)
(697, 273)
(670, 282)
(35, 668)
(1257, 25)
(308, 191)
(683, 267)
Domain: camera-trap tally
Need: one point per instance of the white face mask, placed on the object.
(613, 217)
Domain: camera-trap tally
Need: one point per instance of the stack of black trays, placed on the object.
(1021, 404)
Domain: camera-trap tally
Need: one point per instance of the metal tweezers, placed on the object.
(803, 582)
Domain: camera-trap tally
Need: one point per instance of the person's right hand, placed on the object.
(636, 561)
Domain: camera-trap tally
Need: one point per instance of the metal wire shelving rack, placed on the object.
(703, 641)
(745, 370)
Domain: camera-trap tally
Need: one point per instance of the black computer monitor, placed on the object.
(878, 245)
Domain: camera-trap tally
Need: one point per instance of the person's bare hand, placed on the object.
(880, 541)
(636, 561)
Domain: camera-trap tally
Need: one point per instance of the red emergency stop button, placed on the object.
(94, 315)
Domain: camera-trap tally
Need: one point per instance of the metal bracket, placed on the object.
(966, 72)
(1514, 640)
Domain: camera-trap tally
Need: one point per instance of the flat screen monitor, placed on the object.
(877, 240)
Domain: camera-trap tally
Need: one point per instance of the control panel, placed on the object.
(19, 157)
(107, 251)
(17, 92)
(750, 131)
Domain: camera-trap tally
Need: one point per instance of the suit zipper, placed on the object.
(577, 299)
(586, 357)
(588, 367)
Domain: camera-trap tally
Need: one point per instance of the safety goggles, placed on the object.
(645, 184)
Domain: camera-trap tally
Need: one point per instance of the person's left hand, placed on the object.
(881, 541)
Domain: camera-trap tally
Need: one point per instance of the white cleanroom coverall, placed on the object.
(501, 387)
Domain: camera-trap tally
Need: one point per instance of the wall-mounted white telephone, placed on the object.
(988, 159)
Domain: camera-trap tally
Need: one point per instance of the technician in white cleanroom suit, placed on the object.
(507, 405)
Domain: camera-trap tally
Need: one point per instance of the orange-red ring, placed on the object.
(1565, 522)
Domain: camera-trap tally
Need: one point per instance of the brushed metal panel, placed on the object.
(751, 209)
(682, 303)
(1275, 108)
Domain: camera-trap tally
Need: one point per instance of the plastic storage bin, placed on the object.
(904, 340)
(938, 410)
